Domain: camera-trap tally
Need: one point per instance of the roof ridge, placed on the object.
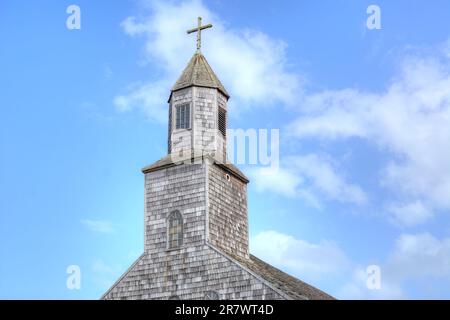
(290, 287)
(198, 72)
(256, 275)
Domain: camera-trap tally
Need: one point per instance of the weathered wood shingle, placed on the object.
(209, 197)
(214, 255)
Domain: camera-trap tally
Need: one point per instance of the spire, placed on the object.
(199, 32)
(199, 73)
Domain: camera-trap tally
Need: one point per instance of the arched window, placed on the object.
(211, 295)
(174, 230)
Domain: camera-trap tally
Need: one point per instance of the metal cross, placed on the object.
(199, 32)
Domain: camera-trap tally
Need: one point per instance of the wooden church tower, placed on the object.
(196, 223)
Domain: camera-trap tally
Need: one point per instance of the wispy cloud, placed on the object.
(409, 122)
(409, 214)
(258, 60)
(413, 256)
(419, 255)
(310, 177)
(309, 261)
(98, 226)
(356, 287)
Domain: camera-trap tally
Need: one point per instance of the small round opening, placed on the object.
(227, 176)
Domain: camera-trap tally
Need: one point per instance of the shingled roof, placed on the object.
(289, 286)
(199, 73)
(293, 287)
(167, 162)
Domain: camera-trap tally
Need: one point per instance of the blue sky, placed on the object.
(364, 116)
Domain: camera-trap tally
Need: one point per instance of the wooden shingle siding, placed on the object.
(189, 275)
(228, 221)
(209, 253)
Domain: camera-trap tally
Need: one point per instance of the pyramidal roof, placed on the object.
(199, 73)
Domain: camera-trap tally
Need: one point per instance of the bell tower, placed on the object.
(196, 239)
(198, 110)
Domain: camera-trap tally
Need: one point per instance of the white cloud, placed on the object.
(409, 214)
(98, 226)
(251, 65)
(323, 264)
(410, 121)
(308, 261)
(356, 288)
(148, 98)
(325, 178)
(274, 179)
(413, 257)
(419, 255)
(310, 177)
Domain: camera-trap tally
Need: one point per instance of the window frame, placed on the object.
(177, 120)
(220, 111)
(174, 215)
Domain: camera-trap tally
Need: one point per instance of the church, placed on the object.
(195, 220)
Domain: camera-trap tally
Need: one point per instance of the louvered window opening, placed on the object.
(222, 121)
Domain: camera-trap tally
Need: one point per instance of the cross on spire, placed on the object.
(199, 32)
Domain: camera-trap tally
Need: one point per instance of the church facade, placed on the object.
(195, 220)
